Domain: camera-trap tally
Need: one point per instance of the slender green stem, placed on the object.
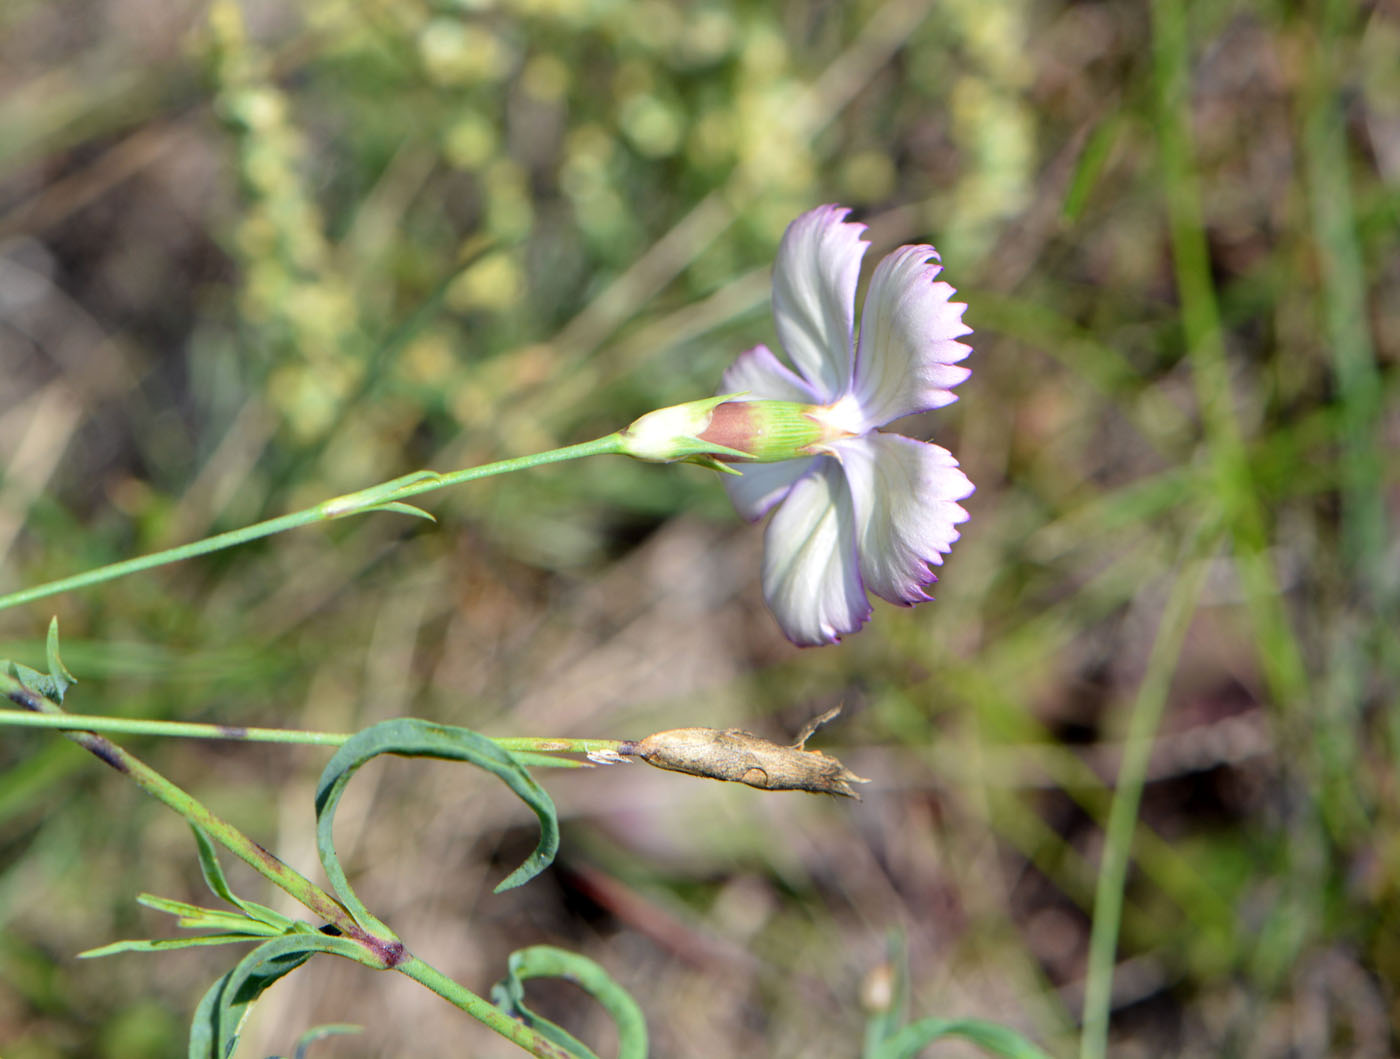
(1312, 742)
(380, 497)
(152, 782)
(1365, 532)
(174, 729)
(1280, 656)
(517, 744)
(611, 444)
(1132, 774)
(161, 558)
(480, 1009)
(296, 736)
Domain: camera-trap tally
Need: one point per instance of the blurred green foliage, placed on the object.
(252, 256)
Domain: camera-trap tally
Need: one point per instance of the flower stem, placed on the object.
(296, 736)
(174, 729)
(481, 1009)
(377, 497)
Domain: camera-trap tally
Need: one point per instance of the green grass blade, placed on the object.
(1142, 729)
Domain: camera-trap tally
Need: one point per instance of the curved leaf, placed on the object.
(410, 737)
(990, 1037)
(219, 1017)
(545, 961)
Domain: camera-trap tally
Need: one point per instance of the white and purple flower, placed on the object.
(866, 510)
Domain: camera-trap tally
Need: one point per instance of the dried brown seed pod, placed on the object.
(742, 757)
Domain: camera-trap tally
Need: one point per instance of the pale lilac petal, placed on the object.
(761, 485)
(905, 494)
(908, 353)
(762, 376)
(814, 297)
(811, 575)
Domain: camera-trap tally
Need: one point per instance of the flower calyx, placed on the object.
(728, 429)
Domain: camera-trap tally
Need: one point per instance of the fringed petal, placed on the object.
(908, 353)
(814, 297)
(905, 495)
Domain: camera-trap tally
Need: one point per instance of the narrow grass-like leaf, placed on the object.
(209, 866)
(172, 907)
(216, 880)
(402, 509)
(1144, 721)
(165, 944)
(410, 737)
(58, 672)
(196, 917)
(545, 961)
(991, 1038)
(228, 927)
(219, 1017)
(1091, 166)
(1343, 271)
(376, 497)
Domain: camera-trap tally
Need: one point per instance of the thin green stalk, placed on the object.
(1358, 468)
(385, 496)
(152, 782)
(481, 1009)
(294, 736)
(523, 744)
(172, 729)
(1344, 302)
(1328, 761)
(1132, 774)
(1279, 653)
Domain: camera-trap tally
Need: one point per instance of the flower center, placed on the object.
(842, 419)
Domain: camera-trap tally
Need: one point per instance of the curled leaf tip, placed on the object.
(734, 755)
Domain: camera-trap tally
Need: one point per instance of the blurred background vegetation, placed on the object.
(253, 255)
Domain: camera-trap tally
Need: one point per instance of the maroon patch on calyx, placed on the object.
(731, 425)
